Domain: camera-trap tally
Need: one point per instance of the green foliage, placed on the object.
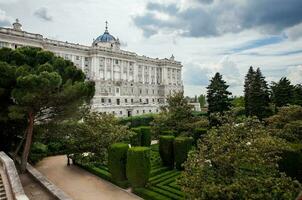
(135, 121)
(218, 95)
(117, 157)
(95, 134)
(238, 101)
(202, 100)
(138, 166)
(174, 116)
(297, 95)
(166, 150)
(146, 136)
(287, 123)
(182, 146)
(238, 162)
(38, 152)
(256, 94)
(198, 133)
(136, 138)
(38, 86)
(291, 163)
(282, 92)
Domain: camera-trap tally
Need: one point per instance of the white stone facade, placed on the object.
(126, 83)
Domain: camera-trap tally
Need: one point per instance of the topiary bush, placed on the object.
(182, 145)
(117, 158)
(166, 150)
(146, 136)
(138, 166)
(168, 133)
(198, 133)
(136, 139)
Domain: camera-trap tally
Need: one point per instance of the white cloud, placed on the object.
(4, 19)
(295, 74)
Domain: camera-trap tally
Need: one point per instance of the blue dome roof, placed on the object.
(106, 37)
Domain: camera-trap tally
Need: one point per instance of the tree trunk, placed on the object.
(28, 141)
(19, 146)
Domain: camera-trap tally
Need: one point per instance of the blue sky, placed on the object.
(205, 35)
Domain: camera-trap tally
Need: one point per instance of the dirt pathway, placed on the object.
(79, 184)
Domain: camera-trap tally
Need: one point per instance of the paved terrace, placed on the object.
(79, 184)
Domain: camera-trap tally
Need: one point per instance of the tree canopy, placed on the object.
(256, 94)
(39, 86)
(218, 95)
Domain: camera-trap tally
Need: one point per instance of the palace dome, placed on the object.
(106, 37)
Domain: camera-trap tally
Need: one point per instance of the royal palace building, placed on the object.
(126, 83)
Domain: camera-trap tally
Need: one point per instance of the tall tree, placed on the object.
(45, 88)
(249, 78)
(218, 95)
(282, 92)
(202, 100)
(256, 94)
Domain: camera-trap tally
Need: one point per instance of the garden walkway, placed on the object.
(79, 184)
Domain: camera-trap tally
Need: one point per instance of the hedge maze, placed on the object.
(162, 182)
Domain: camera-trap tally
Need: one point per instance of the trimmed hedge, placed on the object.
(198, 133)
(134, 121)
(182, 145)
(166, 152)
(117, 157)
(138, 166)
(146, 136)
(136, 139)
(168, 133)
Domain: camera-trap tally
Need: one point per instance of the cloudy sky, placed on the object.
(205, 35)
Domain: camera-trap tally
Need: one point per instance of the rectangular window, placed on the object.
(103, 100)
(125, 100)
(109, 100)
(118, 101)
(121, 112)
(131, 100)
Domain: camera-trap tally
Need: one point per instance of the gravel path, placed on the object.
(79, 184)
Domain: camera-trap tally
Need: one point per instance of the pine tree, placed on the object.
(217, 95)
(247, 90)
(256, 94)
(282, 92)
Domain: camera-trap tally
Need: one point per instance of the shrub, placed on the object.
(182, 145)
(168, 133)
(38, 152)
(134, 121)
(166, 150)
(291, 163)
(136, 139)
(117, 157)
(198, 133)
(138, 166)
(146, 136)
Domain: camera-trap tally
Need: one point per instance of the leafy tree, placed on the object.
(282, 92)
(175, 115)
(217, 95)
(202, 100)
(256, 94)
(94, 134)
(237, 101)
(237, 161)
(44, 87)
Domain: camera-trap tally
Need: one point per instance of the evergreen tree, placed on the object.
(256, 94)
(297, 95)
(217, 95)
(282, 92)
(42, 87)
(247, 90)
